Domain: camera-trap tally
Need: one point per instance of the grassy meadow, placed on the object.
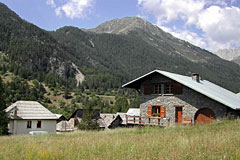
(219, 140)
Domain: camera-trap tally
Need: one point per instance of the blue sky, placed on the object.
(210, 24)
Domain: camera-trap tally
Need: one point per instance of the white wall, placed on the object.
(10, 126)
(21, 126)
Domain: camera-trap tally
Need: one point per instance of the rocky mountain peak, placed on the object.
(123, 25)
(229, 54)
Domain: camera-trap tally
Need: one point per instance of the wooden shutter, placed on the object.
(162, 111)
(149, 111)
(147, 89)
(177, 88)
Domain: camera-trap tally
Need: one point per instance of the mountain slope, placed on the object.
(131, 47)
(30, 46)
(110, 54)
(236, 60)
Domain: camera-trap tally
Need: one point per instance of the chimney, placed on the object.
(196, 77)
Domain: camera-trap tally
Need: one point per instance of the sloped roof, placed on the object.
(204, 87)
(123, 116)
(79, 113)
(133, 112)
(29, 110)
(60, 116)
(108, 119)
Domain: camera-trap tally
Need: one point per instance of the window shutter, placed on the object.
(149, 111)
(148, 89)
(162, 111)
(177, 88)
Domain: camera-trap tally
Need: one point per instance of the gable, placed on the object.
(29, 110)
(204, 87)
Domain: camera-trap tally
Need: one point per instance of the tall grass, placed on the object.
(214, 141)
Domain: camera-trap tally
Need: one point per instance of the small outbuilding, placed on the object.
(64, 126)
(77, 116)
(30, 117)
(110, 121)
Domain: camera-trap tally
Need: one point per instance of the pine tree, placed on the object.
(3, 116)
(88, 122)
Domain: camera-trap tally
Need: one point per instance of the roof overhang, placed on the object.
(136, 83)
(204, 87)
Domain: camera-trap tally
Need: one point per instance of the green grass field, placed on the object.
(214, 141)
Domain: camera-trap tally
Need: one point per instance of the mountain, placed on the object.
(109, 55)
(230, 54)
(131, 47)
(32, 47)
(236, 60)
(154, 36)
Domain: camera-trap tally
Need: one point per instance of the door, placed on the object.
(204, 115)
(178, 115)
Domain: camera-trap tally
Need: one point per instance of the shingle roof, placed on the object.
(204, 87)
(29, 110)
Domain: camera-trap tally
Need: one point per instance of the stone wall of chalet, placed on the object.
(190, 99)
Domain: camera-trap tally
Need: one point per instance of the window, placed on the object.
(147, 89)
(168, 89)
(29, 124)
(163, 88)
(156, 111)
(157, 88)
(39, 124)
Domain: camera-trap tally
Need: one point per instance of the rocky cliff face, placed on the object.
(230, 54)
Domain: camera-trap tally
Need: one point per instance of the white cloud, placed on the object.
(169, 10)
(221, 24)
(58, 12)
(51, 3)
(216, 24)
(72, 8)
(189, 36)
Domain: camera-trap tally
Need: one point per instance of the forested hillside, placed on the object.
(38, 65)
(136, 51)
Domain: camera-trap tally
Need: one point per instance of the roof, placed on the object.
(60, 116)
(108, 119)
(79, 114)
(123, 116)
(133, 112)
(29, 110)
(204, 87)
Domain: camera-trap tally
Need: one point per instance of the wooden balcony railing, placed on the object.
(140, 120)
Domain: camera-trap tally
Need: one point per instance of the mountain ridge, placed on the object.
(108, 60)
